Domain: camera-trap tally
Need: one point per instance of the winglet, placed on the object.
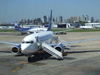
(50, 22)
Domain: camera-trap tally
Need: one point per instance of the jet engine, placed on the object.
(16, 49)
(59, 47)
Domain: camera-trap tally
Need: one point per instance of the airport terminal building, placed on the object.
(61, 25)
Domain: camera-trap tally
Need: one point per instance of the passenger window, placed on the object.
(28, 42)
(32, 42)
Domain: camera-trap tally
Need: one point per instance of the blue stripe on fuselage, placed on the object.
(22, 29)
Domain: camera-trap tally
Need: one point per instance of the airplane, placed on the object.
(42, 42)
(85, 27)
(28, 30)
(97, 26)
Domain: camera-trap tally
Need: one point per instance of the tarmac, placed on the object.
(82, 59)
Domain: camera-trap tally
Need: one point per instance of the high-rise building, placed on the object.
(47, 18)
(60, 19)
(56, 19)
(68, 20)
(32, 21)
(87, 18)
(92, 19)
(44, 19)
(27, 21)
(53, 19)
(23, 21)
(72, 20)
(83, 18)
(76, 19)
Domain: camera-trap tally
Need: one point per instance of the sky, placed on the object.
(11, 10)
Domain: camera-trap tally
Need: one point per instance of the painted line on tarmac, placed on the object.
(12, 66)
(16, 69)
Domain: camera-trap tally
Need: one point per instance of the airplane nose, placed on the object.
(24, 48)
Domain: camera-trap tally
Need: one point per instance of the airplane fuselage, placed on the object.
(86, 27)
(25, 30)
(32, 43)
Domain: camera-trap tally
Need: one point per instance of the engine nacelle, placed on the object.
(16, 49)
(30, 32)
(59, 47)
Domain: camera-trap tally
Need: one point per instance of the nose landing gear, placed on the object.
(38, 56)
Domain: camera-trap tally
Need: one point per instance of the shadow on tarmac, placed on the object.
(44, 56)
(5, 51)
(83, 51)
(39, 57)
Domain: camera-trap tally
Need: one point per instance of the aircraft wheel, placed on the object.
(29, 59)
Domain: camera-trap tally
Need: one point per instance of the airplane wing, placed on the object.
(56, 53)
(13, 43)
(62, 32)
(79, 41)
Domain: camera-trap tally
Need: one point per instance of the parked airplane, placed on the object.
(28, 30)
(42, 42)
(85, 27)
(97, 26)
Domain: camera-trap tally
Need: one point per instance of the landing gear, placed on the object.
(22, 33)
(30, 59)
(57, 39)
(44, 56)
(38, 56)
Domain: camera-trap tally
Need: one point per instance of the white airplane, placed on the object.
(28, 30)
(85, 27)
(42, 42)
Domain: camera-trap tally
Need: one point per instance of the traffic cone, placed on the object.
(21, 62)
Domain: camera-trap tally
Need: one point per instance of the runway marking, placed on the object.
(11, 65)
(16, 69)
(4, 64)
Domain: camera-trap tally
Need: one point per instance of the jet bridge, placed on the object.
(52, 51)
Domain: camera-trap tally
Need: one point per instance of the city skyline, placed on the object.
(24, 9)
(55, 20)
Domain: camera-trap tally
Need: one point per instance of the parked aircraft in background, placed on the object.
(42, 41)
(97, 26)
(28, 30)
(85, 27)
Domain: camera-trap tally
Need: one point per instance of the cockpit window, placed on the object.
(23, 42)
(28, 42)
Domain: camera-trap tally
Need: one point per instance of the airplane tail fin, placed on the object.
(80, 25)
(16, 25)
(50, 22)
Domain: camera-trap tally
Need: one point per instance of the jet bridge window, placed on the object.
(28, 42)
